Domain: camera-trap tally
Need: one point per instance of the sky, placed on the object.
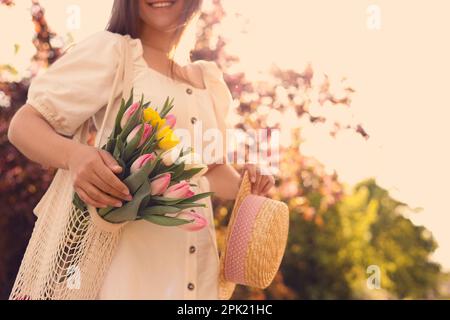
(394, 54)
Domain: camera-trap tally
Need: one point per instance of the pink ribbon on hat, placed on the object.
(239, 239)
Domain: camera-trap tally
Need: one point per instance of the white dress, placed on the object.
(151, 261)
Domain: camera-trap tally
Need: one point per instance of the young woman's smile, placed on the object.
(161, 4)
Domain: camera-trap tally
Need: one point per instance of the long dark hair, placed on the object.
(125, 19)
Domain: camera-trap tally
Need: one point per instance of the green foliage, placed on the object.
(329, 260)
(335, 235)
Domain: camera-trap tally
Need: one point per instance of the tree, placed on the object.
(23, 182)
(335, 235)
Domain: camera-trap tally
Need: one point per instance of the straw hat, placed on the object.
(255, 241)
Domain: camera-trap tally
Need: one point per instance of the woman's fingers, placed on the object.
(100, 183)
(257, 185)
(268, 185)
(263, 182)
(99, 196)
(109, 160)
(108, 176)
(257, 179)
(252, 172)
(88, 200)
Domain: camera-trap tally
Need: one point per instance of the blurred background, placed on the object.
(358, 90)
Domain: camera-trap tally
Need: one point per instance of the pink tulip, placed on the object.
(159, 185)
(146, 134)
(141, 161)
(171, 120)
(199, 221)
(179, 190)
(128, 113)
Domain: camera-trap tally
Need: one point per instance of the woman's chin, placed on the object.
(162, 26)
(161, 19)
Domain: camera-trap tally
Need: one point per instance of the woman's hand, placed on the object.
(92, 171)
(261, 182)
(93, 175)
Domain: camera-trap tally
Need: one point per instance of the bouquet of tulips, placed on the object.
(144, 144)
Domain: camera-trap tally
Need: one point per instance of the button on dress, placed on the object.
(150, 261)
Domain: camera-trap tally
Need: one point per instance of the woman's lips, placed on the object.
(160, 4)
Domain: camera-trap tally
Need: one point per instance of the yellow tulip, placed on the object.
(163, 132)
(152, 116)
(168, 138)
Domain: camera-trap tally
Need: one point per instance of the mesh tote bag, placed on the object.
(70, 249)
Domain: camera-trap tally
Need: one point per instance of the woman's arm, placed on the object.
(30, 133)
(224, 180)
(92, 170)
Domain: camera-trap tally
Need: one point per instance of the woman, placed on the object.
(151, 262)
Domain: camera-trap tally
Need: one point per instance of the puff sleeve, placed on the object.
(78, 84)
(220, 93)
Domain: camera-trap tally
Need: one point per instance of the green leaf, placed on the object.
(148, 146)
(119, 116)
(118, 149)
(145, 105)
(168, 105)
(159, 169)
(167, 201)
(187, 174)
(104, 211)
(178, 171)
(145, 201)
(110, 145)
(136, 154)
(130, 99)
(123, 172)
(163, 112)
(159, 210)
(184, 206)
(197, 197)
(166, 221)
(186, 151)
(123, 107)
(130, 210)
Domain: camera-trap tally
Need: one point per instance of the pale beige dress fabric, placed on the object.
(151, 262)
